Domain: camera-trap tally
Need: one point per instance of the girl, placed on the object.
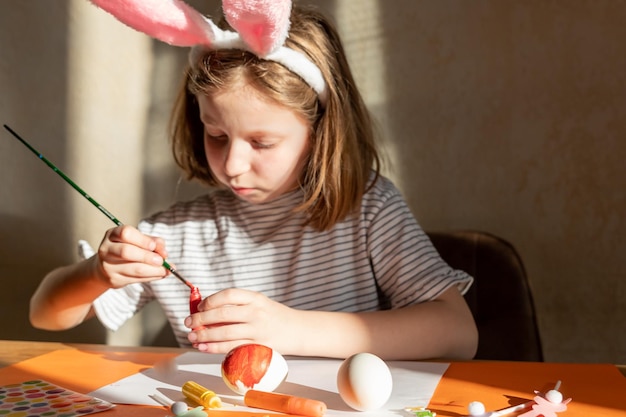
(300, 244)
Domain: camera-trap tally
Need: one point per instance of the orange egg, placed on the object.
(253, 366)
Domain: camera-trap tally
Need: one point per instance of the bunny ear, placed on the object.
(261, 28)
(262, 24)
(171, 21)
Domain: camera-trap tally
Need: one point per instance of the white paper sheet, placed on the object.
(414, 383)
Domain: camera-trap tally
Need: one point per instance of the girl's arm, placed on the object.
(65, 296)
(441, 328)
(63, 299)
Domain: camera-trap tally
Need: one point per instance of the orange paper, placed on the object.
(85, 371)
(595, 389)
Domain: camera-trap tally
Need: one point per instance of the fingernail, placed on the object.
(188, 322)
(192, 337)
(156, 259)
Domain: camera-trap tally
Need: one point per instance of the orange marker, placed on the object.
(232, 412)
(284, 403)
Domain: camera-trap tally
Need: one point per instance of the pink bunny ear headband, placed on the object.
(262, 27)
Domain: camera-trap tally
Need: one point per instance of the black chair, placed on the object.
(500, 298)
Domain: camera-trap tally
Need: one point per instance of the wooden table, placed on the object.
(456, 389)
(14, 351)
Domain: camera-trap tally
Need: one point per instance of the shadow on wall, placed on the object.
(21, 269)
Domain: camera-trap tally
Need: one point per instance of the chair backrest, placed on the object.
(500, 298)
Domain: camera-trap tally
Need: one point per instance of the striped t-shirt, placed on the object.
(378, 259)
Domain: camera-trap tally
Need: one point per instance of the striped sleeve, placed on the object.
(407, 266)
(115, 306)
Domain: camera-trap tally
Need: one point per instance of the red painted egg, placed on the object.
(253, 366)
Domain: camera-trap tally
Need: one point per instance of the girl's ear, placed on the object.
(262, 24)
(171, 21)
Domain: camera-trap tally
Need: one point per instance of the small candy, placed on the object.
(420, 412)
(554, 396)
(194, 412)
(179, 408)
(476, 408)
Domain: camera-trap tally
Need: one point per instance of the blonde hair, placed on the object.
(343, 150)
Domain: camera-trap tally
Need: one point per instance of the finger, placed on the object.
(159, 246)
(214, 317)
(221, 334)
(118, 274)
(229, 296)
(134, 270)
(143, 270)
(130, 235)
(220, 347)
(131, 253)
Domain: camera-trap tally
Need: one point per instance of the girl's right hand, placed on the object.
(127, 256)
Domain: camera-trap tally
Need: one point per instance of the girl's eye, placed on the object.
(262, 145)
(217, 138)
(262, 142)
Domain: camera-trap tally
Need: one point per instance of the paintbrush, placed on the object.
(92, 201)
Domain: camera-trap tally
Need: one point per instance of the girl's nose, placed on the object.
(237, 158)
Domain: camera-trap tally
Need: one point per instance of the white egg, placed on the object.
(364, 382)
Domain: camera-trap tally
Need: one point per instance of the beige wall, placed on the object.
(505, 116)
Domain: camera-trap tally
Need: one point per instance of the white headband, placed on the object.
(262, 27)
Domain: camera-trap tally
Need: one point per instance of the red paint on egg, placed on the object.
(247, 364)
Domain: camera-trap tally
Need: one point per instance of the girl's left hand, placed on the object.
(235, 316)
